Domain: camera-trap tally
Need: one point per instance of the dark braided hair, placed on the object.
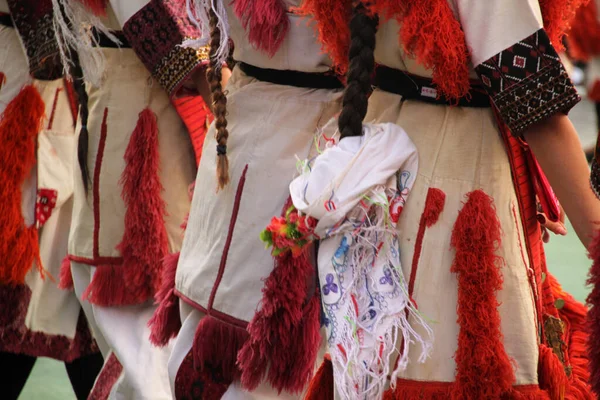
(219, 99)
(82, 144)
(363, 28)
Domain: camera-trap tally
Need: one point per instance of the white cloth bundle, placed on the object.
(356, 189)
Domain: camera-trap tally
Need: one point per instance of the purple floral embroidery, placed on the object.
(387, 278)
(330, 286)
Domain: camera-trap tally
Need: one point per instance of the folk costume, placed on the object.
(37, 140)
(462, 79)
(281, 90)
(136, 164)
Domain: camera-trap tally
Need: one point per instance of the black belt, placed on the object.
(6, 20)
(292, 78)
(104, 41)
(418, 88)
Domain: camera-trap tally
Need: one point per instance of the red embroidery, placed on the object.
(45, 203)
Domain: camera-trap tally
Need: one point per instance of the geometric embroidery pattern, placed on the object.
(45, 203)
(527, 82)
(156, 32)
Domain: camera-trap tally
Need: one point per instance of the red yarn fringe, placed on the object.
(266, 22)
(284, 333)
(551, 373)
(333, 19)
(321, 386)
(166, 323)
(145, 243)
(558, 15)
(19, 126)
(65, 277)
(593, 301)
(411, 390)
(480, 357)
(109, 288)
(98, 7)
(584, 36)
(216, 346)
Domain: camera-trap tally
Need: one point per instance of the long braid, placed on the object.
(83, 142)
(360, 68)
(219, 100)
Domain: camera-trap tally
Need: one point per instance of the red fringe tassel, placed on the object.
(584, 36)
(145, 243)
(266, 22)
(333, 19)
(321, 386)
(484, 370)
(216, 346)
(66, 277)
(19, 126)
(284, 333)
(98, 7)
(593, 301)
(166, 323)
(558, 15)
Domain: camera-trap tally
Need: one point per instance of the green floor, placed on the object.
(566, 258)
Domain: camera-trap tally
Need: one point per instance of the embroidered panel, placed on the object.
(156, 33)
(527, 82)
(33, 20)
(46, 202)
(595, 174)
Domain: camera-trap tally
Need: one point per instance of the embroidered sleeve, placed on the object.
(33, 21)
(527, 82)
(156, 33)
(595, 174)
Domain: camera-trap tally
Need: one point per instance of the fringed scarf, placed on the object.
(430, 33)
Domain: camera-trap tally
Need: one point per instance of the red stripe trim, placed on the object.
(97, 260)
(53, 112)
(226, 318)
(234, 215)
(96, 188)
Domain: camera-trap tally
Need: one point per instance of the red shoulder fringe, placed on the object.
(429, 32)
(584, 36)
(19, 126)
(266, 22)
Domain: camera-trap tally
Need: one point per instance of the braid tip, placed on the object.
(222, 171)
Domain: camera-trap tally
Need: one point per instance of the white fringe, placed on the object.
(361, 370)
(198, 12)
(72, 28)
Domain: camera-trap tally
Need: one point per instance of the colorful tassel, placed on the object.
(145, 243)
(265, 21)
(166, 323)
(65, 277)
(321, 386)
(19, 126)
(284, 333)
(593, 301)
(216, 346)
(483, 369)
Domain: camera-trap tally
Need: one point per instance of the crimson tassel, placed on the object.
(551, 373)
(166, 323)
(98, 7)
(145, 243)
(65, 277)
(321, 386)
(216, 346)
(593, 301)
(274, 350)
(483, 369)
(265, 21)
(333, 19)
(19, 126)
(558, 15)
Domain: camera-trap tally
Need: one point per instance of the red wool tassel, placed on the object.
(110, 288)
(584, 36)
(98, 7)
(288, 313)
(483, 369)
(65, 277)
(333, 19)
(265, 21)
(593, 301)
(558, 15)
(166, 323)
(216, 346)
(19, 126)
(321, 386)
(551, 373)
(145, 243)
